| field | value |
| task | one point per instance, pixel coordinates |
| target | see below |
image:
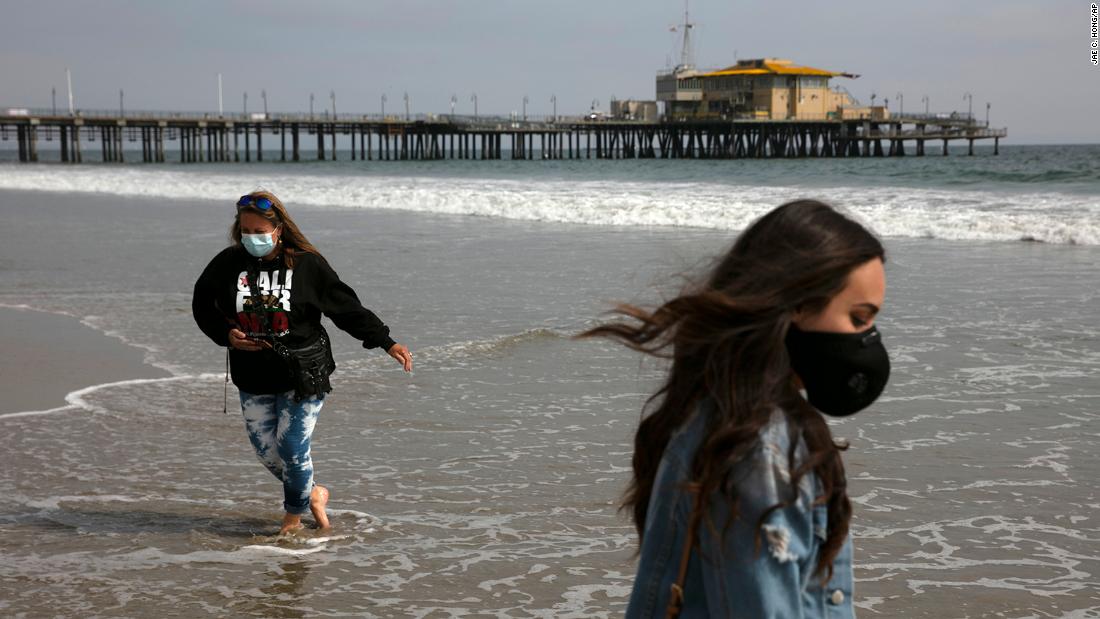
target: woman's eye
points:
(858, 321)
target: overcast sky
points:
(1029, 59)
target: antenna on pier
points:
(687, 54)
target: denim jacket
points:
(733, 578)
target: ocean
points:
(487, 482)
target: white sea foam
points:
(54, 502)
(76, 400)
(1051, 217)
(262, 549)
(493, 346)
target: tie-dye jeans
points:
(280, 429)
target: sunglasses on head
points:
(259, 202)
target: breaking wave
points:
(953, 214)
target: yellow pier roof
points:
(773, 66)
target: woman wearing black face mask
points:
(738, 492)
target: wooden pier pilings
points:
(207, 139)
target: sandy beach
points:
(486, 483)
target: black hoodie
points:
(294, 299)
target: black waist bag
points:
(310, 366)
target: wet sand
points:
(486, 484)
(51, 355)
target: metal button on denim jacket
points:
(728, 576)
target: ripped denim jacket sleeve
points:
(761, 563)
(753, 565)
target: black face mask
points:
(843, 373)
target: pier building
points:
(761, 88)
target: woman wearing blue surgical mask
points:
(739, 494)
(263, 298)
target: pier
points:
(198, 137)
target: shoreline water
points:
(52, 356)
(486, 483)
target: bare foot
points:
(317, 501)
(291, 523)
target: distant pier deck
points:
(188, 138)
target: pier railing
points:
(941, 117)
(290, 117)
(939, 133)
(486, 121)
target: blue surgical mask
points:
(259, 245)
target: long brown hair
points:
(725, 339)
(291, 241)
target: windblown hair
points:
(292, 242)
(725, 338)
